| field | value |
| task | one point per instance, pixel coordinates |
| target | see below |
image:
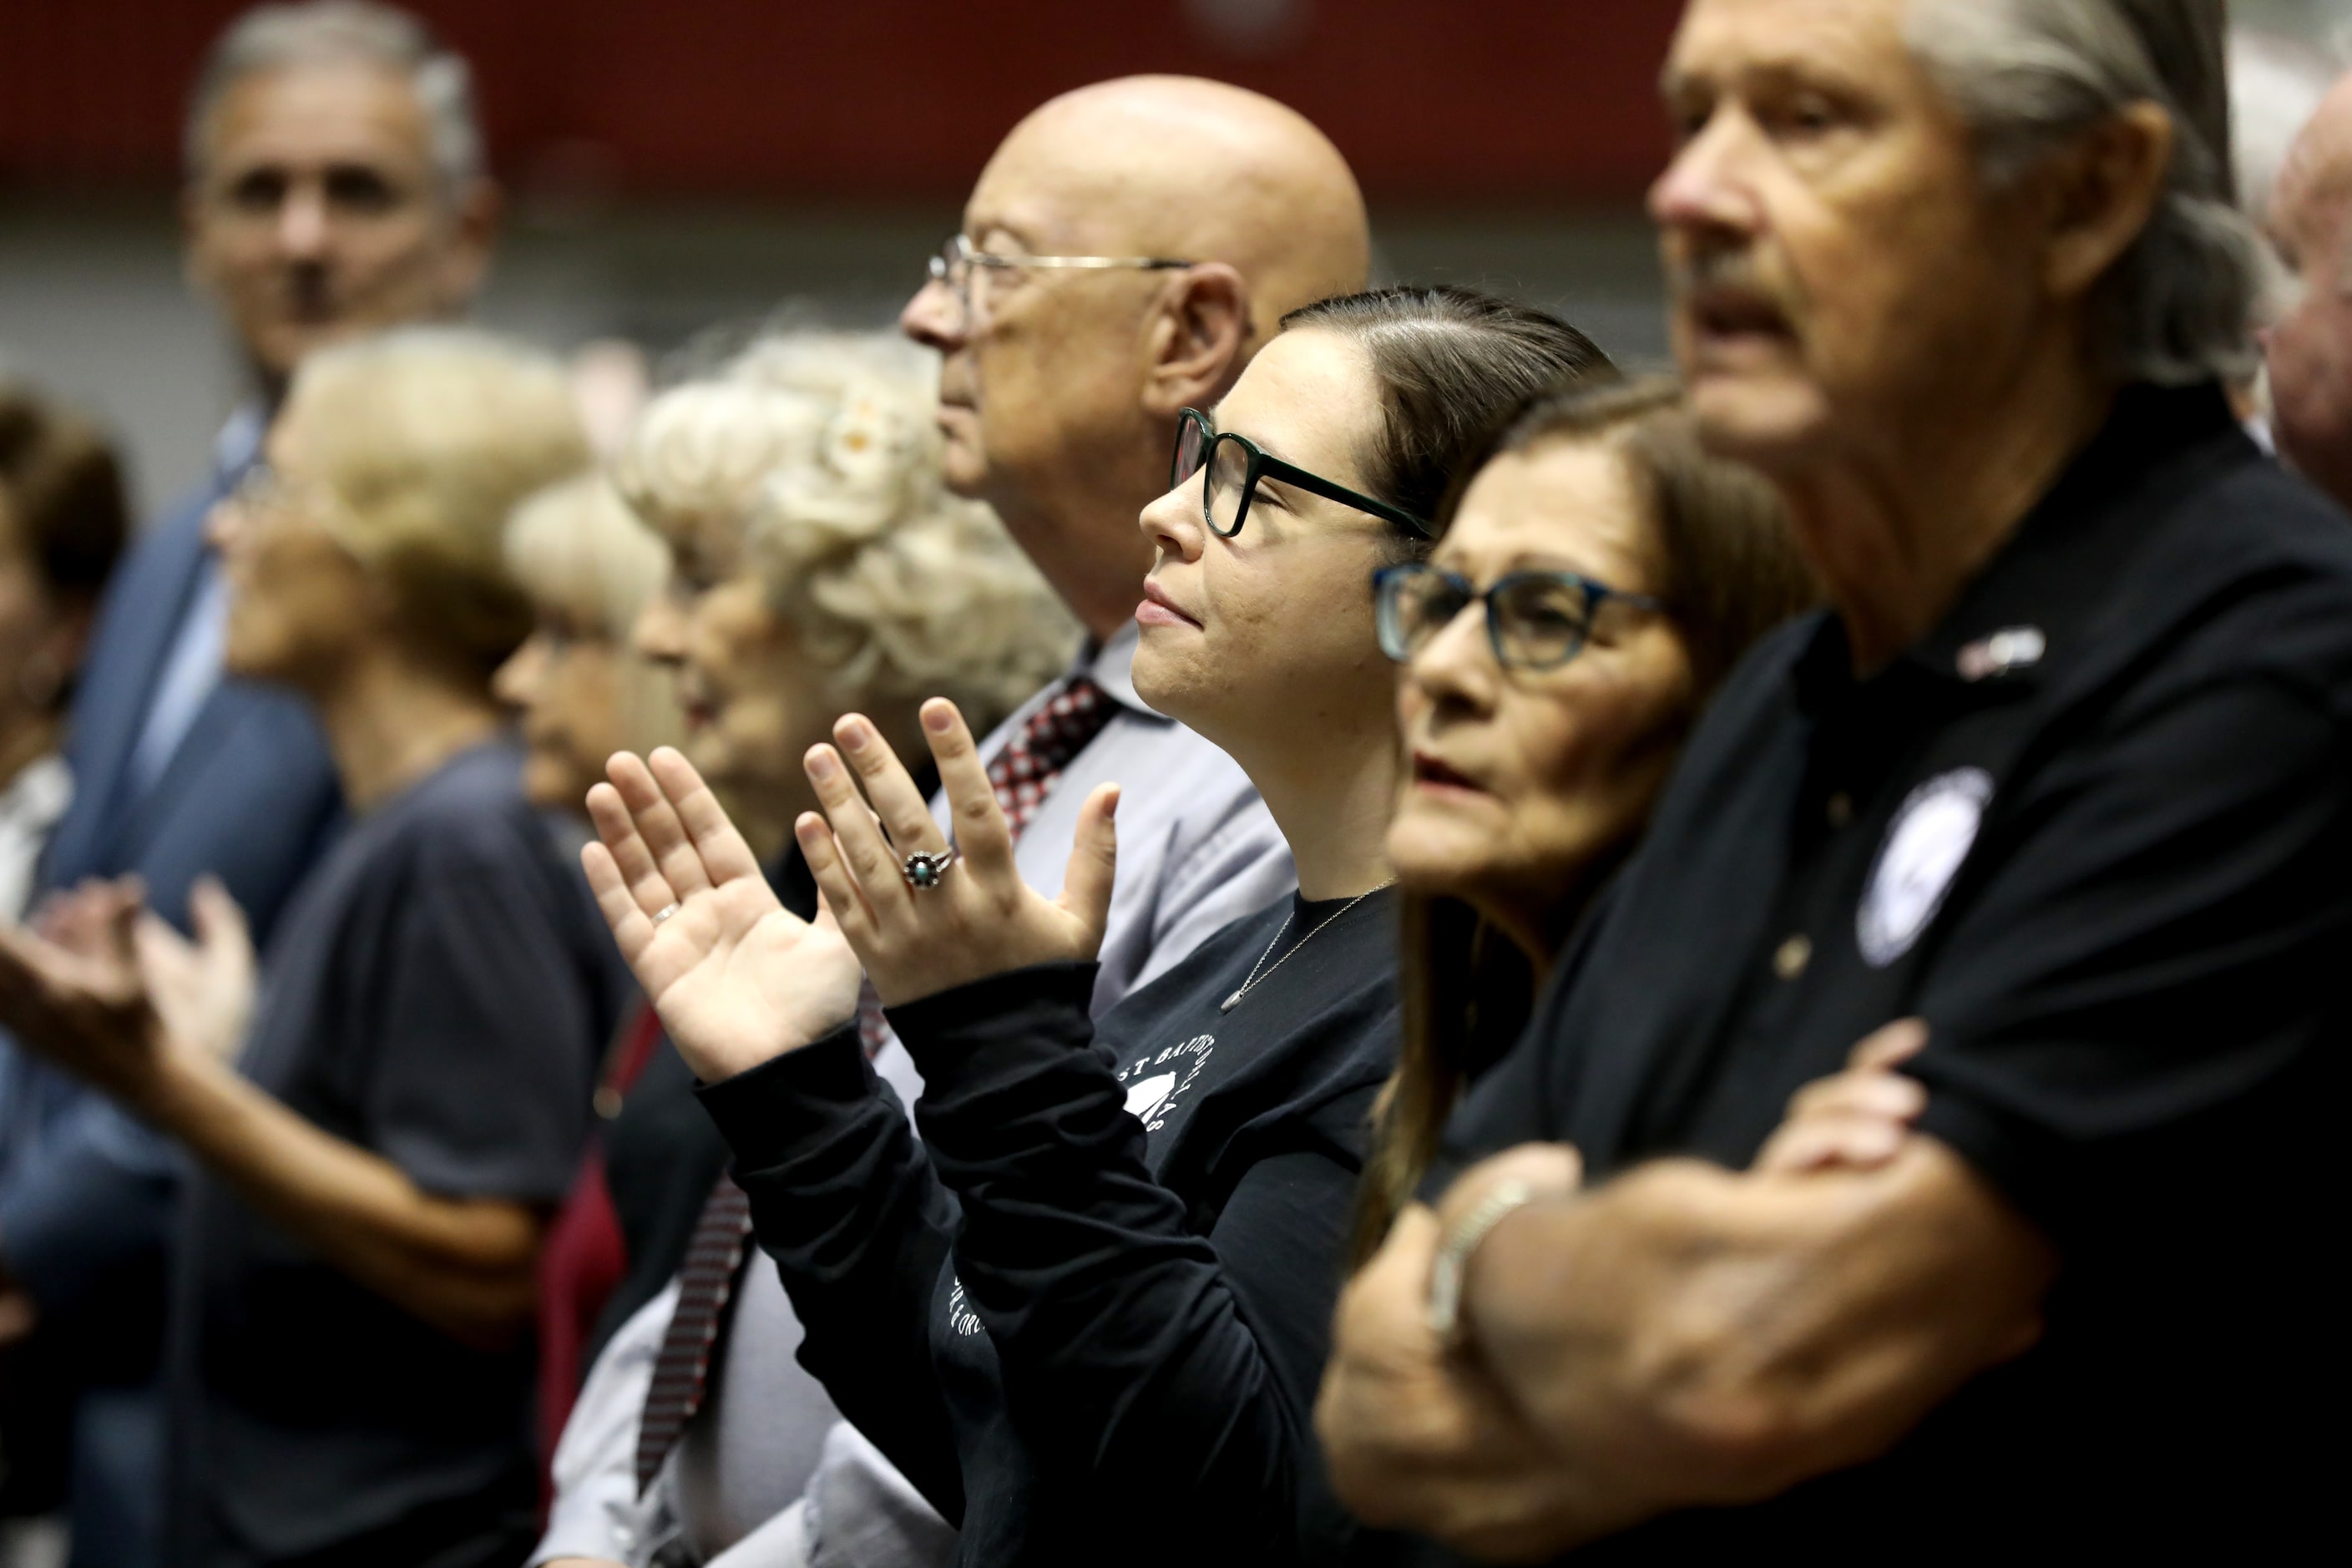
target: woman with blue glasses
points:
(1597, 576)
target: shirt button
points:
(1841, 809)
(607, 1101)
(1789, 959)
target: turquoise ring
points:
(924, 872)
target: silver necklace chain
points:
(1234, 1001)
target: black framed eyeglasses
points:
(1535, 620)
(1235, 464)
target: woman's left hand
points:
(73, 992)
(980, 918)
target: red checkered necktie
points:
(704, 1285)
(1032, 762)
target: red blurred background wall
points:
(893, 99)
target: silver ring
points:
(664, 912)
(924, 872)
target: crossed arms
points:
(1681, 1336)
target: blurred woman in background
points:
(816, 564)
(351, 1372)
(1598, 577)
(581, 691)
(63, 522)
(579, 688)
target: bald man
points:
(2309, 351)
(1126, 251)
(1061, 384)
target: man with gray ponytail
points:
(1925, 1147)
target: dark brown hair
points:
(61, 494)
(1450, 361)
(1728, 571)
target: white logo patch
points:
(1147, 1095)
(1929, 839)
(1150, 1098)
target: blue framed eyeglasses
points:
(1535, 620)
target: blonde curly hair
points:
(577, 547)
(819, 452)
(428, 436)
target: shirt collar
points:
(2032, 603)
(37, 796)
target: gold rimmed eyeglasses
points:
(958, 258)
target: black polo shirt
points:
(2096, 829)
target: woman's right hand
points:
(737, 978)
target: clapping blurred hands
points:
(71, 990)
(203, 989)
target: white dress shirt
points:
(30, 807)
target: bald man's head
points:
(2309, 351)
(1178, 166)
(1061, 385)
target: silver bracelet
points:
(1453, 1249)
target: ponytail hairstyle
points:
(1450, 363)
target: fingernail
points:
(854, 734)
(939, 718)
(819, 763)
(808, 826)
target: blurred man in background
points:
(335, 187)
(2309, 348)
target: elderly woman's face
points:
(1263, 642)
(1524, 782)
(299, 604)
(565, 682)
(751, 702)
(1838, 269)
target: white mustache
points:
(1717, 269)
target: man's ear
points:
(474, 237)
(1197, 340)
(194, 259)
(2100, 194)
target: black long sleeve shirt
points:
(1086, 1314)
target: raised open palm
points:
(976, 918)
(737, 978)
